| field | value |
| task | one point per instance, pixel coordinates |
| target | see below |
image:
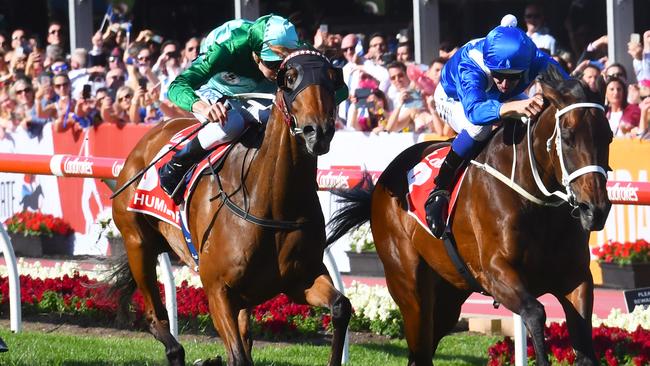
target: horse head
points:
(579, 147)
(307, 83)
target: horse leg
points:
(244, 331)
(578, 305)
(322, 293)
(447, 310)
(509, 290)
(225, 318)
(142, 261)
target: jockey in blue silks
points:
(484, 81)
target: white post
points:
(521, 353)
(15, 314)
(170, 293)
(333, 269)
(247, 9)
(426, 30)
(620, 23)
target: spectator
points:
(54, 34)
(62, 109)
(18, 42)
(5, 73)
(53, 53)
(590, 76)
(622, 117)
(167, 66)
(369, 113)
(408, 111)
(126, 107)
(434, 70)
(376, 48)
(114, 80)
(97, 55)
(447, 49)
(7, 106)
(403, 53)
(644, 107)
(4, 43)
(29, 116)
(615, 70)
(190, 52)
(641, 57)
(115, 59)
(535, 29)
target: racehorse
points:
(271, 173)
(516, 244)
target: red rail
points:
(109, 168)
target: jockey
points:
(483, 82)
(235, 58)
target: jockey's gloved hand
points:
(530, 107)
(216, 112)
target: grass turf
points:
(35, 348)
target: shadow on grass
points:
(402, 352)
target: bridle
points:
(310, 73)
(567, 195)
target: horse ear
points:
(551, 94)
(281, 51)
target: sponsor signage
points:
(638, 296)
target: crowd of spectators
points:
(122, 80)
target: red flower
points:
(36, 223)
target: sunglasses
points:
(347, 49)
(113, 59)
(15, 38)
(397, 76)
(144, 58)
(124, 98)
(503, 76)
(61, 85)
(615, 75)
(532, 16)
(21, 91)
(115, 77)
(60, 68)
(55, 31)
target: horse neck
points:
(288, 167)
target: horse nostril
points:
(308, 130)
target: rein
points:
(568, 196)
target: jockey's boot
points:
(438, 202)
(171, 174)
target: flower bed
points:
(623, 253)
(613, 346)
(29, 223)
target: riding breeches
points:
(452, 112)
(239, 115)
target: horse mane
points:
(571, 87)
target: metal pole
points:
(426, 30)
(333, 269)
(15, 314)
(521, 354)
(170, 292)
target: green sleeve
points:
(181, 90)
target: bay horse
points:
(514, 248)
(271, 173)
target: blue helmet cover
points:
(508, 49)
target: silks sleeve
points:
(181, 90)
(479, 109)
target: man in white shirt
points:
(535, 29)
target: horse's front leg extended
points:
(508, 289)
(322, 293)
(578, 307)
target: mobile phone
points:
(323, 28)
(635, 38)
(85, 92)
(143, 83)
(362, 93)
(156, 38)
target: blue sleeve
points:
(479, 109)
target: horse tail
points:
(355, 211)
(121, 282)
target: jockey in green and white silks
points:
(235, 58)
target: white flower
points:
(639, 317)
(361, 239)
(105, 221)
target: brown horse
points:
(515, 249)
(271, 173)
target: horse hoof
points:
(209, 362)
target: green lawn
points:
(35, 348)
